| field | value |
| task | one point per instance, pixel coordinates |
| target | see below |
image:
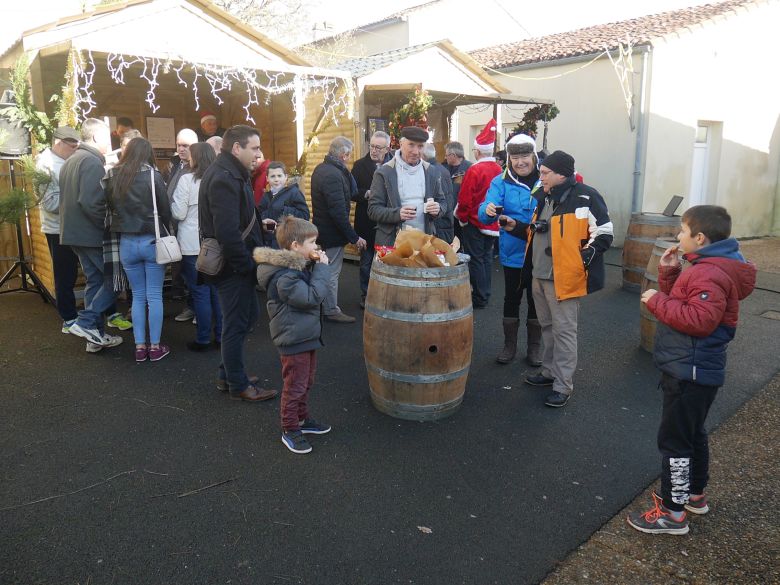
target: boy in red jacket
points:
(697, 311)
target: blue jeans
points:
(480, 247)
(136, 252)
(240, 309)
(204, 302)
(99, 295)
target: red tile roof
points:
(594, 39)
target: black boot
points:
(510, 341)
(533, 356)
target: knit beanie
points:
(559, 162)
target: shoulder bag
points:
(210, 259)
(166, 248)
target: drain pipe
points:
(639, 152)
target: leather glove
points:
(587, 255)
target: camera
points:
(540, 226)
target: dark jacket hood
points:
(271, 261)
(725, 255)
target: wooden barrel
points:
(417, 337)
(647, 322)
(643, 230)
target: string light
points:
(83, 86)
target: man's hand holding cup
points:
(408, 212)
(431, 207)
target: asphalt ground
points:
(113, 472)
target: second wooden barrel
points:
(643, 230)
(418, 333)
(647, 322)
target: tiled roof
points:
(365, 65)
(594, 39)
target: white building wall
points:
(720, 74)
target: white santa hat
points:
(486, 140)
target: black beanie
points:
(559, 162)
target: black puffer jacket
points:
(331, 193)
(295, 293)
(133, 213)
(288, 201)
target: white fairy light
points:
(83, 91)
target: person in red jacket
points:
(479, 238)
(260, 178)
(697, 311)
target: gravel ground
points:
(763, 252)
(738, 542)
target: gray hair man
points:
(363, 171)
(444, 223)
(406, 191)
(215, 142)
(332, 189)
(82, 219)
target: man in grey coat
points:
(406, 190)
(82, 223)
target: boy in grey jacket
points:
(295, 279)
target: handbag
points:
(166, 249)
(210, 259)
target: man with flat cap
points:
(567, 237)
(406, 190)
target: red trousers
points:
(298, 375)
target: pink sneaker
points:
(141, 353)
(158, 353)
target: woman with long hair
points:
(129, 195)
(511, 199)
(184, 207)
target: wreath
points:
(413, 113)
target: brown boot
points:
(534, 355)
(510, 341)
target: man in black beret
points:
(567, 238)
(406, 190)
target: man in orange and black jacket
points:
(567, 238)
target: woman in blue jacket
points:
(511, 194)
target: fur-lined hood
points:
(270, 261)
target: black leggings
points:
(515, 282)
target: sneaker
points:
(312, 427)
(118, 321)
(658, 520)
(92, 335)
(696, 504)
(296, 442)
(159, 352)
(340, 318)
(186, 315)
(66, 325)
(557, 399)
(93, 347)
(539, 380)
(141, 354)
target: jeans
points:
(99, 296)
(137, 254)
(65, 265)
(204, 302)
(517, 281)
(240, 309)
(298, 374)
(480, 247)
(366, 260)
(682, 440)
(335, 261)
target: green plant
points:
(36, 177)
(14, 204)
(532, 117)
(23, 112)
(413, 113)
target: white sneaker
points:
(93, 347)
(111, 340)
(92, 335)
(185, 315)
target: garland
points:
(531, 119)
(413, 113)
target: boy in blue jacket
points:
(295, 278)
(697, 311)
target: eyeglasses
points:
(375, 147)
(545, 173)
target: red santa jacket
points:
(472, 193)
